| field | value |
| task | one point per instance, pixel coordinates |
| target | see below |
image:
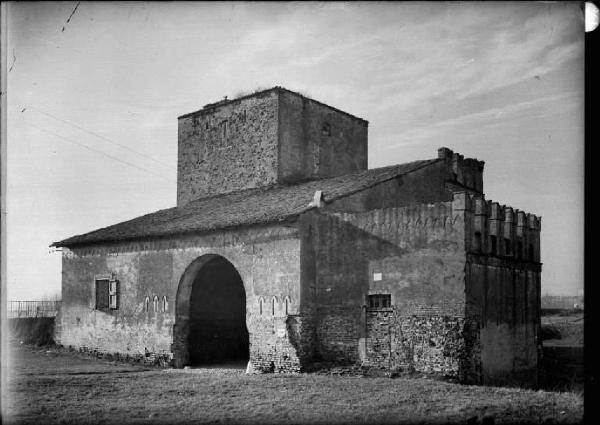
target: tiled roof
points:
(245, 207)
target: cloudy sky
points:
(93, 100)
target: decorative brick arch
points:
(181, 330)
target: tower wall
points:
(227, 147)
(271, 137)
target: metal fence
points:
(33, 309)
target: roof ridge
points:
(243, 207)
(426, 162)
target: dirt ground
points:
(52, 386)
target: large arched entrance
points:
(211, 314)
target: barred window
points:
(380, 301)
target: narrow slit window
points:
(287, 303)
(224, 129)
(273, 307)
(531, 252)
(507, 250)
(147, 304)
(493, 245)
(477, 242)
(260, 306)
(155, 303)
(165, 304)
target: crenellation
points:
(499, 230)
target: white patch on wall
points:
(280, 333)
(377, 277)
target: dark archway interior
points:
(218, 330)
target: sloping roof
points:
(250, 206)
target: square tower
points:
(275, 136)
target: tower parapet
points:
(466, 173)
(498, 230)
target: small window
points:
(155, 303)
(102, 300)
(493, 245)
(287, 305)
(107, 293)
(380, 301)
(165, 303)
(507, 246)
(477, 242)
(273, 306)
(147, 304)
(326, 129)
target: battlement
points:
(466, 173)
(498, 230)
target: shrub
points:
(550, 332)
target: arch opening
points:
(211, 314)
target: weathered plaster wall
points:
(422, 186)
(419, 252)
(228, 147)
(318, 141)
(266, 258)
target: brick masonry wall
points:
(418, 251)
(228, 147)
(266, 258)
(275, 136)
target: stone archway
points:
(210, 314)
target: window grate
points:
(380, 301)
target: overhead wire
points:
(94, 134)
(101, 152)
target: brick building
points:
(285, 250)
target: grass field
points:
(52, 386)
